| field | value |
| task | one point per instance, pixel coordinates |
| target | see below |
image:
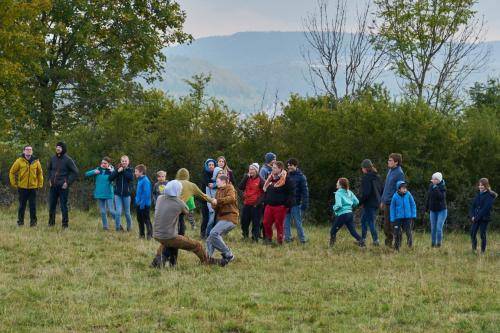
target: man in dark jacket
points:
(301, 201)
(123, 176)
(279, 198)
(371, 192)
(62, 173)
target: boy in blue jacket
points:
(143, 201)
(403, 210)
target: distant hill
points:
(249, 66)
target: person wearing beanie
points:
(62, 172)
(371, 191)
(394, 175)
(266, 169)
(301, 202)
(26, 176)
(436, 206)
(251, 185)
(169, 207)
(403, 212)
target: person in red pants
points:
(278, 198)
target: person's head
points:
(484, 185)
(105, 162)
(28, 151)
(367, 166)
(222, 181)
(161, 176)
(292, 164)
(124, 161)
(394, 160)
(60, 148)
(402, 187)
(211, 165)
(277, 168)
(173, 188)
(221, 162)
(140, 170)
(343, 183)
(437, 178)
(253, 170)
(270, 158)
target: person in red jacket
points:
(251, 185)
(279, 197)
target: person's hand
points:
(214, 202)
(381, 206)
(97, 171)
(120, 169)
(473, 220)
(50, 183)
(64, 186)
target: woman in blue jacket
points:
(480, 213)
(103, 191)
(403, 210)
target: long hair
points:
(486, 183)
(344, 183)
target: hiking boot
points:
(227, 259)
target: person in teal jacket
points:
(103, 191)
(403, 211)
(345, 202)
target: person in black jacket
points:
(371, 191)
(278, 198)
(480, 212)
(62, 173)
(301, 201)
(123, 176)
(206, 181)
(436, 205)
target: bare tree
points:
(339, 62)
(433, 45)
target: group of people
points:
(273, 196)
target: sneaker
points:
(227, 259)
(361, 243)
(156, 263)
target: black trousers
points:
(251, 215)
(171, 253)
(204, 221)
(57, 193)
(144, 221)
(400, 226)
(25, 196)
(482, 227)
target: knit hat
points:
(438, 176)
(173, 188)
(366, 164)
(255, 166)
(269, 157)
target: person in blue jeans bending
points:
(480, 213)
(103, 191)
(345, 202)
(436, 205)
(301, 202)
(371, 192)
(123, 176)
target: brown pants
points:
(389, 234)
(183, 243)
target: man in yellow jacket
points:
(27, 176)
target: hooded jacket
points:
(62, 168)
(371, 190)
(227, 204)
(345, 202)
(189, 189)
(26, 174)
(211, 191)
(402, 205)
(301, 188)
(436, 197)
(394, 175)
(207, 174)
(252, 190)
(103, 188)
(123, 181)
(482, 205)
(143, 193)
(168, 208)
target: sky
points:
(226, 17)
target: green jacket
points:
(345, 202)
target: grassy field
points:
(86, 280)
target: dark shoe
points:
(20, 224)
(51, 225)
(156, 263)
(228, 259)
(361, 243)
(149, 237)
(120, 229)
(65, 226)
(267, 241)
(215, 261)
(142, 236)
(388, 243)
(332, 241)
(438, 245)
(33, 224)
(376, 243)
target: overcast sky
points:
(225, 17)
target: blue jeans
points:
(368, 221)
(122, 204)
(437, 222)
(104, 206)
(296, 214)
(215, 241)
(347, 220)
